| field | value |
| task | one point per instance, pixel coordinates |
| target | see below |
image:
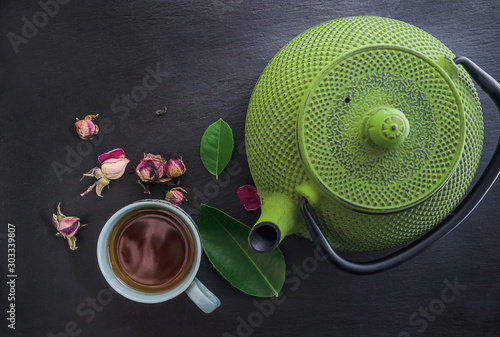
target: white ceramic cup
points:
(198, 293)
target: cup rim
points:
(119, 286)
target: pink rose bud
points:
(67, 226)
(176, 195)
(175, 167)
(85, 128)
(151, 169)
(113, 165)
(114, 168)
(249, 197)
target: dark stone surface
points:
(91, 53)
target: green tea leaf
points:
(216, 147)
(225, 241)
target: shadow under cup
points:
(150, 251)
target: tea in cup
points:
(150, 251)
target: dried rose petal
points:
(249, 197)
(116, 153)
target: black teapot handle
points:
(468, 204)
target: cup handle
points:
(202, 297)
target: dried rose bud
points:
(175, 167)
(114, 168)
(151, 169)
(176, 195)
(113, 164)
(67, 226)
(85, 128)
(249, 197)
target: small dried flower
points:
(113, 164)
(67, 226)
(85, 128)
(249, 197)
(175, 167)
(114, 168)
(176, 195)
(151, 169)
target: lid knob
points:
(388, 127)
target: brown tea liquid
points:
(151, 250)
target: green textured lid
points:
(382, 128)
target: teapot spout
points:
(264, 236)
(280, 217)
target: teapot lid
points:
(382, 129)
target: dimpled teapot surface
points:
(372, 121)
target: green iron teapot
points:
(374, 127)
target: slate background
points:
(90, 53)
